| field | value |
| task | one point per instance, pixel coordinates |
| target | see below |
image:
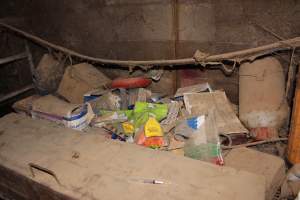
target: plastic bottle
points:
(204, 143)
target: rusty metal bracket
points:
(33, 166)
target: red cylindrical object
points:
(127, 83)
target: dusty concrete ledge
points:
(106, 169)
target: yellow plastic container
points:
(294, 138)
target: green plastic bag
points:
(143, 110)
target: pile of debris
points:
(198, 121)
(189, 121)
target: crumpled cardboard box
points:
(80, 79)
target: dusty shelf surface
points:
(90, 166)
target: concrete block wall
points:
(158, 29)
(145, 29)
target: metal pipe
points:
(16, 93)
(13, 58)
(280, 45)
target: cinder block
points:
(271, 167)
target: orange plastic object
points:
(294, 138)
(264, 133)
(152, 142)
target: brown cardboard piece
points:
(53, 105)
(193, 89)
(25, 105)
(80, 79)
(227, 121)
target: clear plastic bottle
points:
(204, 143)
